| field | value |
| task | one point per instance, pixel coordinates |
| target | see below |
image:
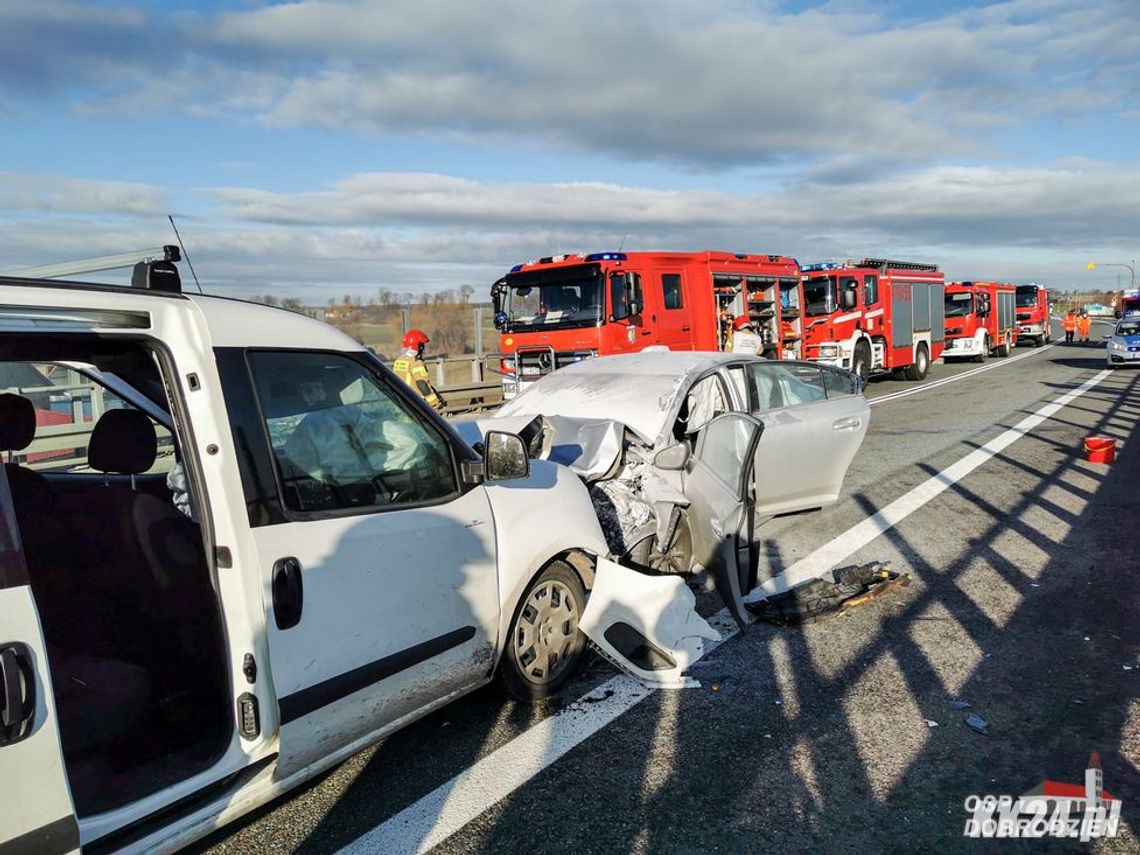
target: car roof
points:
(230, 322)
(640, 390)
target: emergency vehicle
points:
(1129, 303)
(566, 308)
(874, 315)
(1033, 314)
(979, 320)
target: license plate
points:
(531, 370)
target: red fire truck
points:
(566, 308)
(1032, 314)
(874, 315)
(1129, 302)
(979, 320)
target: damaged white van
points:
(234, 549)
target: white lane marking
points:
(855, 538)
(894, 396)
(448, 808)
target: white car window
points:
(342, 439)
(780, 384)
(705, 401)
(722, 447)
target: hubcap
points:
(546, 631)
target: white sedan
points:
(686, 453)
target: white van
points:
(234, 550)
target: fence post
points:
(439, 372)
(477, 362)
(405, 319)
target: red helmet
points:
(414, 339)
(741, 321)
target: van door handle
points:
(847, 424)
(17, 693)
(288, 592)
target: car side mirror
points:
(672, 458)
(848, 299)
(504, 456)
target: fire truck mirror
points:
(848, 298)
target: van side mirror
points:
(672, 458)
(504, 456)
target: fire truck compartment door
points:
(717, 483)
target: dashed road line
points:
(448, 808)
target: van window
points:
(67, 405)
(671, 285)
(343, 439)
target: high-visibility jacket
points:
(412, 371)
(1085, 323)
(1069, 323)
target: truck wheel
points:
(921, 365)
(544, 644)
(861, 361)
(1039, 341)
(1004, 350)
(985, 352)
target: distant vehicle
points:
(1129, 302)
(565, 308)
(874, 315)
(979, 320)
(1033, 314)
(686, 453)
(1123, 346)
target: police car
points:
(1123, 346)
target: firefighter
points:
(1069, 325)
(411, 369)
(745, 339)
(1083, 326)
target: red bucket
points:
(1100, 449)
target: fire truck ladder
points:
(884, 263)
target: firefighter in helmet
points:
(411, 369)
(745, 339)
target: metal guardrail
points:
(482, 392)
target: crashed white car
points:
(687, 453)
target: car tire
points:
(861, 361)
(677, 560)
(921, 365)
(544, 645)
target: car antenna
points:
(623, 237)
(185, 254)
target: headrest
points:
(123, 443)
(17, 422)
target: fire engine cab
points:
(566, 308)
(874, 315)
(1032, 314)
(979, 320)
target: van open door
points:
(36, 812)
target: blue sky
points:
(313, 149)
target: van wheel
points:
(544, 645)
(921, 365)
(861, 361)
(981, 357)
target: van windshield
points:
(819, 296)
(572, 297)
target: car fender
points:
(539, 518)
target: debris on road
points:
(591, 699)
(977, 723)
(931, 723)
(852, 586)
(958, 705)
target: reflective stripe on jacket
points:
(415, 374)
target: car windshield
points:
(573, 301)
(1026, 297)
(819, 296)
(958, 304)
(1128, 328)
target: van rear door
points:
(36, 813)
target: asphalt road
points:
(838, 733)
